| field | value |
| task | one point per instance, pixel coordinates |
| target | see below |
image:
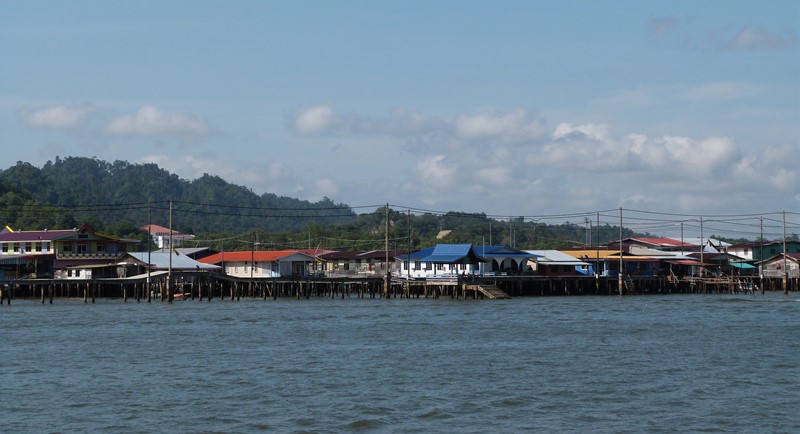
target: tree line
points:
(119, 198)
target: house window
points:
(67, 248)
(5, 248)
(439, 267)
(38, 247)
(16, 247)
(82, 248)
(69, 273)
(102, 248)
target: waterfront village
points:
(82, 262)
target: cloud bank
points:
(57, 116)
(511, 157)
(150, 120)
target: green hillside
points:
(118, 198)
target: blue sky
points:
(511, 108)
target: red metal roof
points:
(662, 242)
(248, 255)
(156, 229)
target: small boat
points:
(182, 296)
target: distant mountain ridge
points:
(74, 190)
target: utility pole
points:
(408, 254)
(761, 255)
(785, 270)
(702, 250)
(387, 278)
(169, 273)
(149, 252)
(597, 258)
(588, 232)
(619, 282)
(510, 232)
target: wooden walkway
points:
(492, 292)
(210, 286)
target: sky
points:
(518, 108)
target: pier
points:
(211, 286)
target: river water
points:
(699, 363)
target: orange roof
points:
(249, 255)
(604, 254)
(156, 229)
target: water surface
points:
(713, 363)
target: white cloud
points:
(773, 167)
(435, 172)
(513, 127)
(573, 165)
(591, 131)
(324, 187)
(150, 120)
(510, 127)
(314, 120)
(689, 32)
(676, 155)
(57, 116)
(748, 38)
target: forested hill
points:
(75, 190)
(119, 198)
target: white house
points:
(262, 263)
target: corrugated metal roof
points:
(253, 255)
(34, 236)
(605, 254)
(555, 257)
(161, 260)
(505, 251)
(661, 241)
(417, 255)
(453, 253)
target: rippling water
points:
(719, 363)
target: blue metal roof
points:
(453, 253)
(418, 255)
